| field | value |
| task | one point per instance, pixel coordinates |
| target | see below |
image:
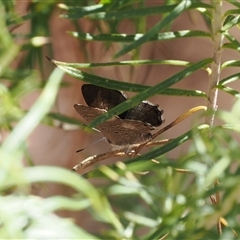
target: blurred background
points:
(41, 31)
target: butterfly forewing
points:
(103, 98)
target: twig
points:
(214, 80)
(216, 64)
(97, 158)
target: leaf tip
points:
(50, 60)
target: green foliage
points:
(142, 199)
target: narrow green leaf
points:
(141, 220)
(231, 63)
(124, 86)
(231, 46)
(104, 14)
(234, 43)
(229, 90)
(130, 38)
(57, 203)
(234, 3)
(230, 12)
(133, 13)
(95, 10)
(228, 19)
(167, 147)
(229, 79)
(157, 28)
(216, 171)
(80, 12)
(234, 21)
(183, 92)
(123, 63)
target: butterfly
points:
(130, 128)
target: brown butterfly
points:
(128, 129)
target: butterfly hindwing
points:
(117, 131)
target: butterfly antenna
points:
(90, 145)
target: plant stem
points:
(214, 77)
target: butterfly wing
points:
(103, 98)
(147, 113)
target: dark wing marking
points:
(147, 113)
(103, 98)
